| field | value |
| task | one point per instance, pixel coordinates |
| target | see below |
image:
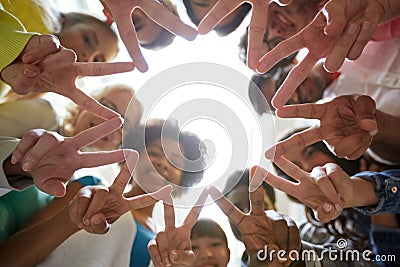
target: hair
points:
(243, 44)
(166, 37)
(220, 30)
(205, 227)
(194, 149)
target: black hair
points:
(166, 37)
(194, 149)
(220, 30)
(206, 227)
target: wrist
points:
(368, 196)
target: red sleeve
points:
(388, 30)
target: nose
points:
(206, 253)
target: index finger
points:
(296, 141)
(293, 80)
(258, 24)
(128, 35)
(120, 182)
(101, 68)
(91, 105)
(230, 210)
(169, 214)
(95, 133)
(256, 194)
(281, 51)
(167, 19)
(220, 10)
(193, 215)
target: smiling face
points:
(160, 164)
(286, 21)
(90, 41)
(210, 252)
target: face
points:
(210, 251)
(146, 29)
(160, 164)
(118, 101)
(286, 21)
(202, 7)
(308, 158)
(91, 42)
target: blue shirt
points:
(140, 256)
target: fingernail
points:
(327, 208)
(27, 166)
(27, 58)
(29, 73)
(86, 222)
(365, 25)
(174, 256)
(338, 207)
(352, 29)
(374, 132)
(14, 157)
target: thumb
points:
(54, 187)
(365, 109)
(182, 257)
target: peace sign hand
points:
(95, 208)
(121, 12)
(44, 77)
(257, 26)
(52, 159)
(261, 228)
(347, 125)
(173, 245)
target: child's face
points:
(91, 42)
(210, 251)
(162, 164)
(146, 29)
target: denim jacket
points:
(387, 190)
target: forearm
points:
(386, 143)
(32, 245)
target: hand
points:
(257, 26)
(347, 125)
(61, 80)
(94, 208)
(325, 189)
(341, 29)
(46, 50)
(258, 228)
(52, 159)
(173, 245)
(121, 12)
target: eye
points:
(86, 39)
(309, 151)
(216, 244)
